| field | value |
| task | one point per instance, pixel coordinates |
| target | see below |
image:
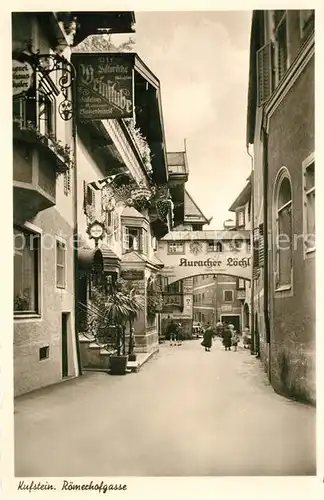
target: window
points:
(67, 182)
(175, 247)
(228, 295)
(240, 218)
(135, 238)
(281, 48)
(60, 264)
(215, 247)
(309, 203)
(26, 271)
(240, 284)
(283, 227)
(46, 115)
(44, 352)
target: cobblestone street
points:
(186, 413)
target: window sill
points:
(283, 288)
(24, 317)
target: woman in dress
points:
(208, 337)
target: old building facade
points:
(90, 197)
(281, 129)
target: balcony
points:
(172, 301)
(34, 183)
(241, 294)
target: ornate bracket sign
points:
(104, 85)
(22, 77)
(44, 65)
(96, 231)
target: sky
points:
(202, 62)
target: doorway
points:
(65, 359)
(231, 318)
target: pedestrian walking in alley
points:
(219, 329)
(172, 331)
(235, 339)
(180, 333)
(208, 336)
(227, 337)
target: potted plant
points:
(109, 316)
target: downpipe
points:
(252, 232)
(266, 281)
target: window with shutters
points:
(240, 218)
(228, 295)
(264, 73)
(135, 238)
(256, 245)
(67, 182)
(240, 284)
(309, 204)
(281, 46)
(261, 245)
(283, 231)
(60, 264)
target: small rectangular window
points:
(60, 264)
(241, 284)
(175, 247)
(44, 352)
(228, 295)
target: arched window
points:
(283, 231)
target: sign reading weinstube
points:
(22, 74)
(104, 85)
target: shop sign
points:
(132, 274)
(22, 77)
(226, 308)
(104, 85)
(95, 230)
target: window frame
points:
(177, 252)
(224, 295)
(214, 247)
(281, 176)
(238, 214)
(310, 160)
(60, 241)
(30, 229)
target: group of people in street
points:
(226, 331)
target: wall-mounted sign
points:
(104, 85)
(95, 230)
(178, 267)
(132, 274)
(22, 77)
(226, 308)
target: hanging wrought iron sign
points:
(46, 68)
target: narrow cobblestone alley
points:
(186, 413)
